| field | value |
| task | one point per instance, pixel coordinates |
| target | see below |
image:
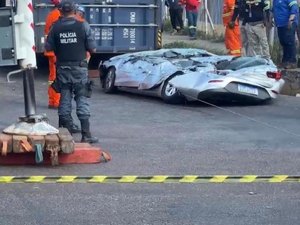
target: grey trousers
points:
(257, 40)
(245, 43)
(72, 83)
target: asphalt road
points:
(147, 137)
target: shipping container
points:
(119, 26)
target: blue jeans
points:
(287, 40)
(192, 17)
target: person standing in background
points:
(192, 10)
(232, 30)
(176, 11)
(239, 13)
(256, 13)
(286, 20)
(53, 16)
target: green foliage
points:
(276, 52)
(213, 37)
(183, 44)
(167, 27)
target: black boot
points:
(69, 124)
(65, 122)
(75, 128)
(86, 134)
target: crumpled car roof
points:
(147, 69)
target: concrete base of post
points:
(31, 125)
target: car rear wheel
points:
(170, 94)
(109, 81)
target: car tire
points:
(109, 81)
(170, 94)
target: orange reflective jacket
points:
(52, 17)
(228, 9)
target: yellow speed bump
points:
(134, 179)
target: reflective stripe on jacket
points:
(282, 9)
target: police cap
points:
(67, 6)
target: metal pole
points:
(206, 17)
(29, 93)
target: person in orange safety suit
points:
(53, 16)
(232, 33)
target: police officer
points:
(70, 39)
(255, 13)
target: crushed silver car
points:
(177, 75)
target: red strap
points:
(26, 146)
(105, 156)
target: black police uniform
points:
(70, 39)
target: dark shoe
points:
(290, 66)
(67, 122)
(52, 107)
(85, 131)
(75, 129)
(90, 139)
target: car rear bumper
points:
(232, 92)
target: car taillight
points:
(274, 75)
(215, 81)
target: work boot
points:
(289, 66)
(69, 124)
(75, 128)
(66, 123)
(86, 134)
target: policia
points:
(70, 39)
(255, 14)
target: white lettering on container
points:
(126, 33)
(132, 35)
(132, 17)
